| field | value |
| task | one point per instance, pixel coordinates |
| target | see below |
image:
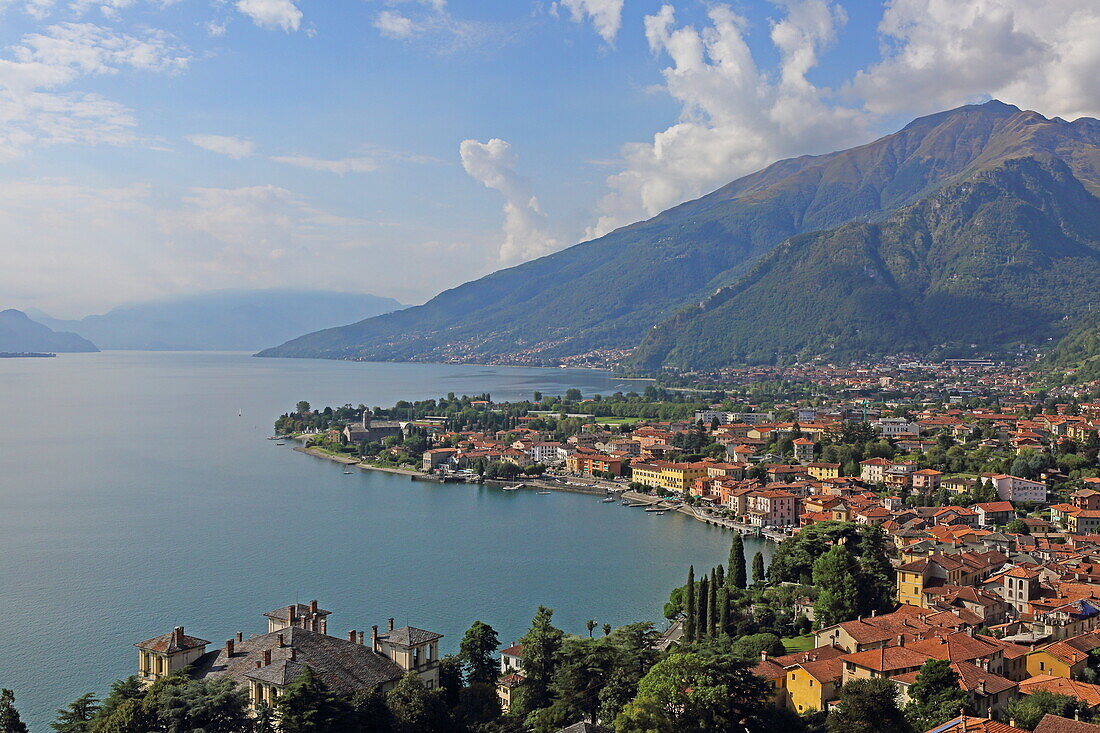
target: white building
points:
(891, 427)
(1014, 488)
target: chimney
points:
(374, 638)
(229, 648)
(177, 636)
(763, 655)
(391, 624)
(359, 638)
(293, 654)
(981, 687)
(240, 637)
(313, 606)
(267, 657)
(351, 636)
(259, 664)
(281, 641)
(324, 626)
(292, 614)
(901, 639)
(874, 612)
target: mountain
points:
(228, 320)
(649, 282)
(1076, 358)
(19, 334)
(1000, 258)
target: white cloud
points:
(734, 118)
(394, 25)
(91, 49)
(232, 147)
(339, 166)
(606, 15)
(34, 110)
(431, 19)
(940, 53)
(494, 164)
(272, 13)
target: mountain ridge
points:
(20, 334)
(222, 320)
(610, 293)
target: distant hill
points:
(1076, 358)
(885, 247)
(226, 320)
(19, 334)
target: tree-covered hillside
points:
(608, 293)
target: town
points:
(937, 567)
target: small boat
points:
(280, 443)
(661, 513)
(655, 509)
(511, 488)
(608, 500)
(544, 493)
(347, 472)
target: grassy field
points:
(617, 420)
(799, 643)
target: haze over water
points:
(133, 499)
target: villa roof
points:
(345, 666)
(173, 641)
(409, 636)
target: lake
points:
(133, 498)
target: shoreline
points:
(538, 484)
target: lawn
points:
(617, 420)
(799, 643)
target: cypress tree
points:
(720, 573)
(723, 610)
(712, 621)
(737, 577)
(704, 609)
(758, 567)
(689, 607)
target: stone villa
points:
(297, 637)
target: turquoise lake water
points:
(134, 499)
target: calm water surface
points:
(133, 499)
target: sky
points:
(153, 148)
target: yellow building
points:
(667, 475)
(1067, 658)
(167, 654)
(822, 471)
(812, 685)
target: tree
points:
(308, 706)
(836, 575)
(758, 576)
(689, 691)
(1030, 709)
(689, 607)
(712, 606)
(723, 610)
(736, 575)
(868, 706)
(302, 407)
(606, 629)
(935, 697)
(591, 626)
(1017, 526)
(10, 722)
(572, 395)
(212, 706)
(749, 647)
(416, 709)
(702, 628)
(477, 650)
(878, 592)
(450, 679)
(77, 718)
(541, 646)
